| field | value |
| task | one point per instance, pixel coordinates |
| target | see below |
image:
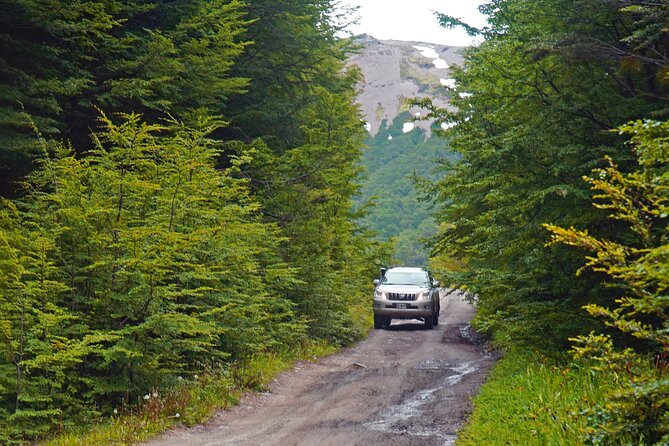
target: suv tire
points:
(429, 322)
(379, 322)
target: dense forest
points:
(555, 217)
(176, 181)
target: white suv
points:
(406, 293)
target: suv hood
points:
(402, 288)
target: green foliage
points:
(639, 407)
(545, 89)
(307, 191)
(295, 53)
(60, 58)
(394, 167)
(542, 93)
(140, 259)
(450, 22)
(532, 400)
(156, 250)
(299, 123)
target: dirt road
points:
(402, 386)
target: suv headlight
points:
(379, 294)
(423, 295)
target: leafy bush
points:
(638, 265)
(128, 267)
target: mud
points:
(405, 385)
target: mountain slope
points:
(395, 71)
(399, 148)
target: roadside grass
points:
(191, 401)
(531, 400)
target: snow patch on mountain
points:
(430, 53)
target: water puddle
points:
(466, 334)
(449, 440)
(461, 370)
(434, 364)
(396, 419)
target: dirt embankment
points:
(402, 386)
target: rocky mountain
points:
(400, 149)
(396, 70)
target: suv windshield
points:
(406, 278)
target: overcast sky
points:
(414, 19)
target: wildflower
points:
(180, 378)
(194, 376)
(155, 394)
(115, 411)
(177, 415)
(146, 397)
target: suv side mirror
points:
(376, 282)
(435, 283)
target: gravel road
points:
(405, 385)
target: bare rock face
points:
(395, 71)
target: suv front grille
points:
(401, 296)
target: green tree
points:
(295, 51)
(307, 191)
(150, 263)
(60, 59)
(34, 380)
(536, 101)
(299, 123)
(639, 408)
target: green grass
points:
(530, 400)
(191, 401)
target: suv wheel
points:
(436, 317)
(429, 322)
(379, 321)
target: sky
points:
(414, 20)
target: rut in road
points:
(405, 385)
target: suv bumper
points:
(412, 310)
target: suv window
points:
(406, 278)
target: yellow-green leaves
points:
(640, 268)
(143, 263)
